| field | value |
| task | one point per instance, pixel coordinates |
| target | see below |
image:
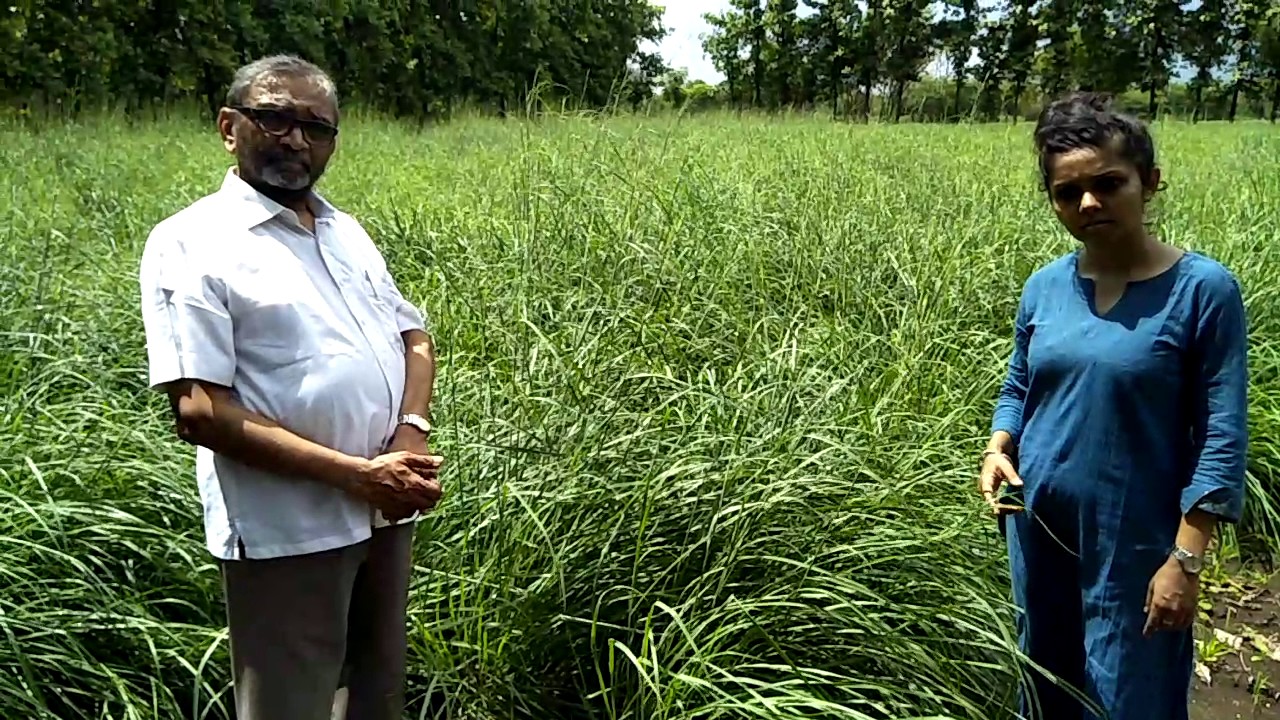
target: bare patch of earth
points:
(1238, 643)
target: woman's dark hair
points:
(1085, 119)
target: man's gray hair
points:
(278, 66)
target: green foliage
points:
(1269, 55)
(430, 58)
(712, 392)
(1006, 48)
(410, 57)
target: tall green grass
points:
(711, 393)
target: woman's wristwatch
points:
(1191, 563)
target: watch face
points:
(1189, 562)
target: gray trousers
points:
(301, 625)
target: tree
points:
(1023, 35)
(868, 50)
(411, 57)
(1052, 64)
(751, 25)
(833, 28)
(673, 83)
(1268, 58)
(1157, 25)
(956, 34)
(781, 55)
(1204, 43)
(1103, 48)
(911, 44)
(993, 64)
(724, 44)
(1244, 19)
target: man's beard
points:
(281, 181)
(291, 178)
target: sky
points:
(682, 48)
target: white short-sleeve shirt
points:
(304, 328)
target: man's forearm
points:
(212, 418)
(420, 373)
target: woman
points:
(1123, 413)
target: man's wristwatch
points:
(1191, 563)
(417, 422)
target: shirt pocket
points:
(274, 335)
(283, 320)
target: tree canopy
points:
(925, 59)
(847, 53)
(410, 57)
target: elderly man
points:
(304, 379)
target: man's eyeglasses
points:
(280, 123)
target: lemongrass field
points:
(711, 392)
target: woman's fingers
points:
(996, 471)
(988, 484)
(1006, 469)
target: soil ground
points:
(1238, 638)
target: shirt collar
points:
(253, 208)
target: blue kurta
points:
(1124, 421)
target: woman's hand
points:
(1172, 596)
(997, 469)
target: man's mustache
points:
(281, 158)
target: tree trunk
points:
(757, 54)
(835, 88)
(1156, 47)
(1199, 106)
(209, 90)
(867, 81)
(1015, 113)
(959, 88)
(1275, 98)
(1235, 102)
(900, 86)
(756, 80)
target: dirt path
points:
(1238, 677)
